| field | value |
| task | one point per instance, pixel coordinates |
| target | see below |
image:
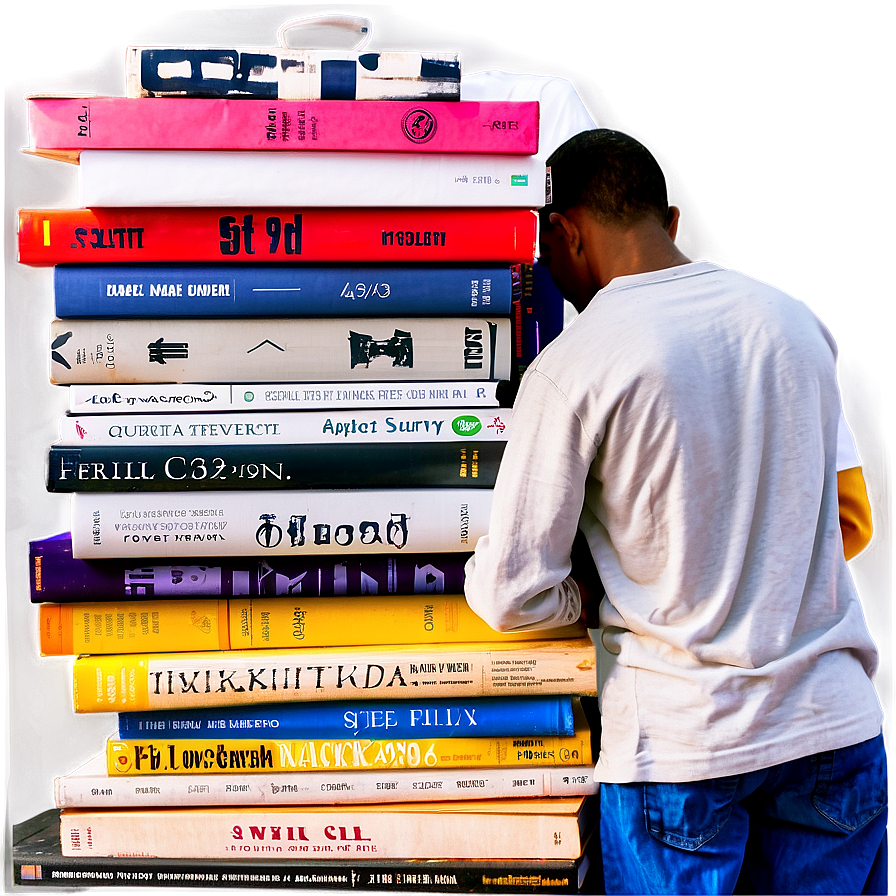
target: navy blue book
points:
(370, 720)
(284, 290)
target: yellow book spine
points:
(133, 627)
(243, 756)
(365, 621)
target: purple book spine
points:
(57, 577)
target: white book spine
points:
(143, 178)
(142, 398)
(257, 523)
(189, 350)
(90, 787)
(287, 427)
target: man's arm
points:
(519, 577)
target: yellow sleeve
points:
(855, 511)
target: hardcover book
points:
(126, 682)
(141, 398)
(62, 126)
(165, 626)
(255, 428)
(37, 861)
(157, 468)
(291, 74)
(90, 786)
(278, 349)
(157, 756)
(146, 178)
(479, 829)
(56, 576)
(284, 290)
(277, 522)
(482, 717)
(256, 234)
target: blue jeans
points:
(813, 825)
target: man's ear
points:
(566, 230)
(672, 221)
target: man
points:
(687, 424)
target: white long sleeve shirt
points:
(687, 423)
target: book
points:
(476, 829)
(278, 349)
(61, 127)
(277, 522)
(159, 468)
(57, 577)
(148, 758)
(284, 290)
(481, 716)
(37, 861)
(127, 682)
(166, 626)
(139, 398)
(135, 178)
(331, 428)
(291, 74)
(256, 234)
(90, 786)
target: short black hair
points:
(611, 174)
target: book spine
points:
(264, 290)
(319, 831)
(160, 468)
(165, 626)
(125, 682)
(73, 124)
(278, 522)
(256, 428)
(276, 234)
(144, 179)
(286, 349)
(483, 717)
(270, 73)
(99, 790)
(57, 577)
(157, 756)
(142, 398)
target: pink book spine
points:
(63, 126)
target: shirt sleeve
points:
(519, 576)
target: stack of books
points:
(285, 326)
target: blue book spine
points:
(204, 290)
(371, 720)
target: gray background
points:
(774, 133)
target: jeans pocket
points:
(688, 815)
(851, 786)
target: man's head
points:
(609, 213)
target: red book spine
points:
(121, 235)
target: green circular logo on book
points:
(248, 396)
(468, 425)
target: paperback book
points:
(267, 73)
(61, 127)
(285, 290)
(376, 465)
(127, 682)
(37, 861)
(142, 398)
(553, 828)
(277, 522)
(90, 786)
(256, 234)
(252, 350)
(56, 576)
(165, 626)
